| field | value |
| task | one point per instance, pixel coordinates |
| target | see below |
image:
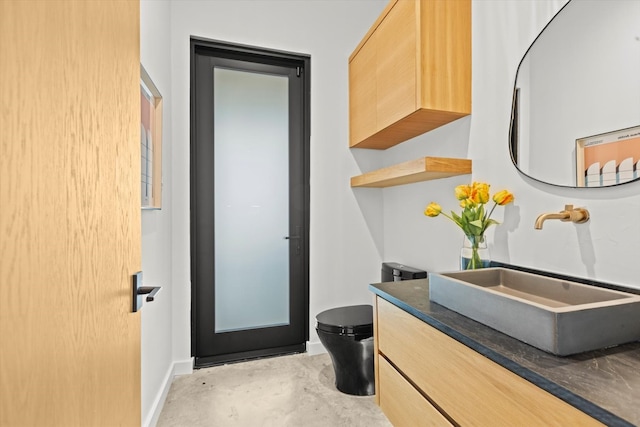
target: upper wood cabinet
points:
(411, 73)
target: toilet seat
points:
(351, 320)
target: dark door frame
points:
(220, 49)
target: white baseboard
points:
(183, 367)
(315, 347)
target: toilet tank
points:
(395, 272)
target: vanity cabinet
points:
(424, 377)
(411, 73)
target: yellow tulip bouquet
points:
(473, 220)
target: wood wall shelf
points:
(422, 169)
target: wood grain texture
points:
(422, 71)
(470, 388)
(373, 28)
(376, 364)
(423, 169)
(396, 64)
(415, 124)
(70, 217)
(362, 94)
(402, 403)
(445, 55)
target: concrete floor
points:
(295, 390)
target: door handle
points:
(297, 238)
(149, 291)
(139, 291)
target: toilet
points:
(347, 334)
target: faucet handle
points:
(579, 215)
(568, 208)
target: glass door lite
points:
(249, 202)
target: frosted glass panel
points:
(251, 200)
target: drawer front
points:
(468, 387)
(402, 403)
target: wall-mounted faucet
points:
(577, 215)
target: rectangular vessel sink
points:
(554, 315)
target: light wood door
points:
(69, 213)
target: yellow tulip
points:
(503, 197)
(467, 203)
(473, 220)
(462, 192)
(433, 209)
(481, 192)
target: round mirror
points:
(576, 106)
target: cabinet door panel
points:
(446, 56)
(362, 93)
(396, 64)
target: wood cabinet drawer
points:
(402, 403)
(468, 387)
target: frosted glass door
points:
(251, 198)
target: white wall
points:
(344, 256)
(605, 248)
(353, 230)
(156, 344)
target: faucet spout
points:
(577, 215)
(562, 216)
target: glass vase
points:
(474, 253)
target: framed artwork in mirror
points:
(150, 142)
(608, 159)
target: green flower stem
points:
(475, 261)
(489, 216)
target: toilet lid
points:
(353, 319)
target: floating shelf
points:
(423, 169)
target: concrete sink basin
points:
(554, 315)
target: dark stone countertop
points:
(604, 383)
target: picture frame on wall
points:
(608, 159)
(150, 142)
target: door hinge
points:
(298, 71)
